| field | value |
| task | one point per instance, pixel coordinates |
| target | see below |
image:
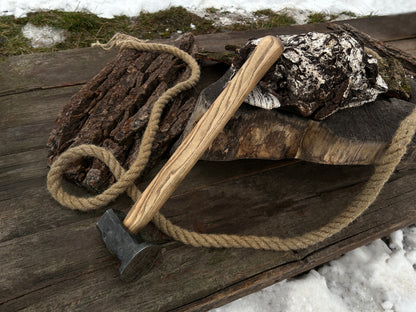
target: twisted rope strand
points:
(384, 167)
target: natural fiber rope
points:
(384, 167)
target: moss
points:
(266, 19)
(266, 12)
(393, 73)
(273, 19)
(348, 13)
(317, 18)
(407, 89)
(212, 10)
(322, 17)
(164, 23)
(83, 28)
(13, 41)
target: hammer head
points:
(136, 256)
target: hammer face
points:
(136, 258)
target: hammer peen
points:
(117, 232)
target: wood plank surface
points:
(53, 259)
(393, 28)
(408, 45)
(51, 70)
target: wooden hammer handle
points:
(203, 134)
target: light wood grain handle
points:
(203, 134)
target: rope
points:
(384, 167)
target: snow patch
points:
(371, 278)
(308, 293)
(109, 8)
(43, 37)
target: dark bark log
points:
(112, 110)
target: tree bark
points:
(113, 109)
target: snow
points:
(110, 8)
(378, 277)
(44, 36)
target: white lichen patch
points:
(318, 74)
(43, 37)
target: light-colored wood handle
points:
(203, 134)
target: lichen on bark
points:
(317, 75)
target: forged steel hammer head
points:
(136, 257)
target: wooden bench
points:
(53, 259)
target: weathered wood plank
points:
(27, 207)
(53, 258)
(45, 70)
(332, 251)
(25, 127)
(386, 28)
(81, 270)
(279, 273)
(48, 70)
(394, 27)
(15, 111)
(408, 45)
(63, 264)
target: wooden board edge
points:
(267, 278)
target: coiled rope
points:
(384, 167)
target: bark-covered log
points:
(317, 75)
(353, 136)
(112, 110)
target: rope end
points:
(118, 40)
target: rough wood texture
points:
(112, 110)
(382, 28)
(47, 71)
(53, 259)
(352, 136)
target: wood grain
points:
(52, 258)
(394, 27)
(51, 70)
(204, 132)
(351, 136)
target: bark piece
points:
(112, 110)
(352, 136)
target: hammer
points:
(118, 232)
